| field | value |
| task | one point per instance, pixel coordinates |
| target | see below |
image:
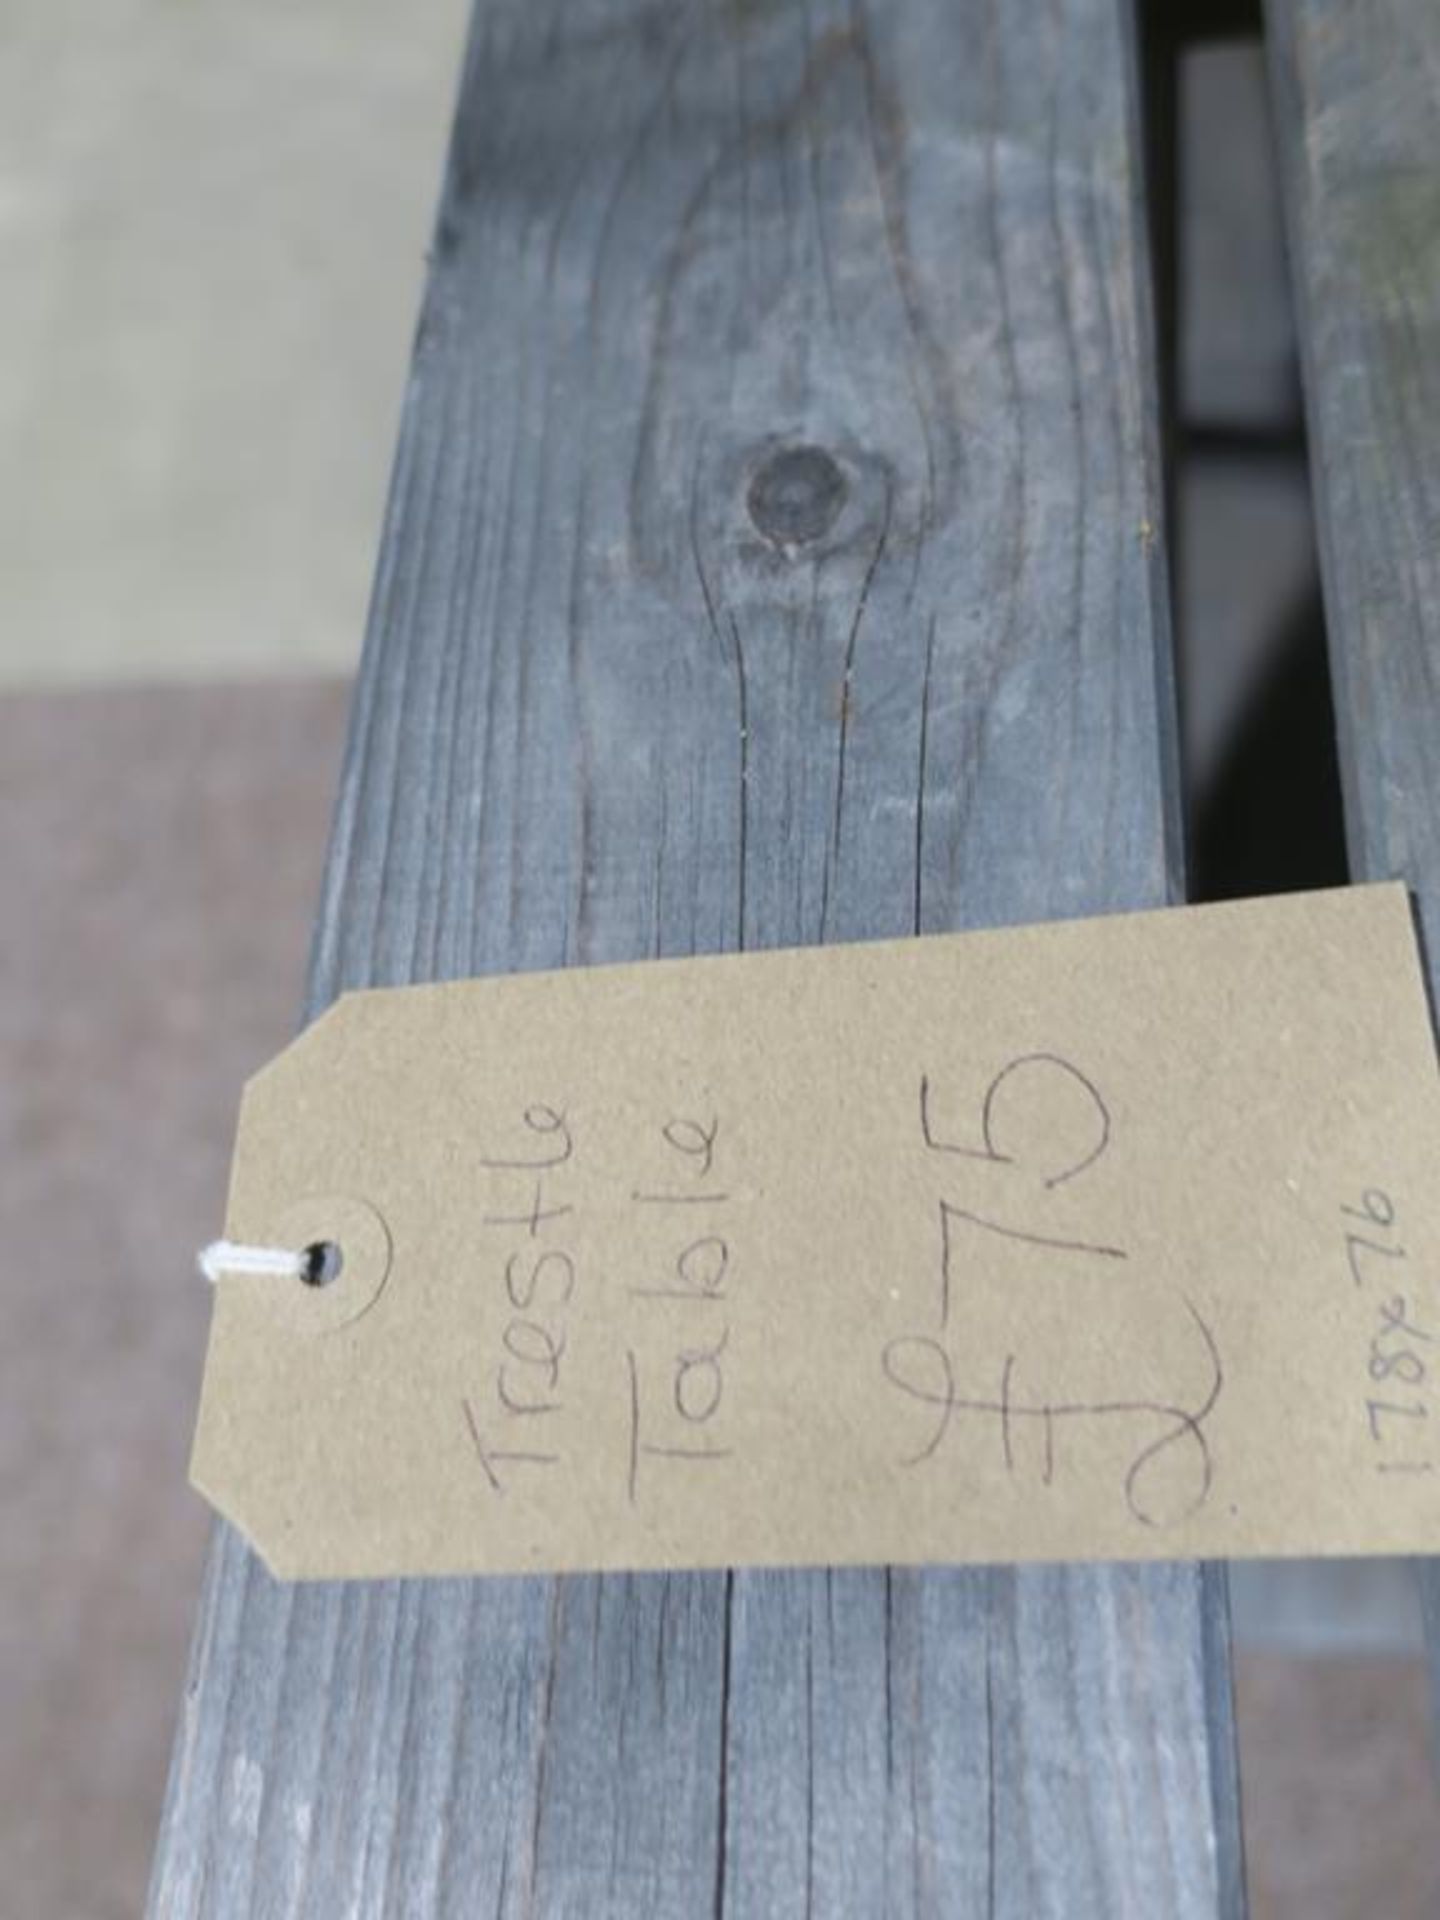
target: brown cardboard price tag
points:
(1104, 1239)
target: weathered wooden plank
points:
(645, 676)
(1357, 115)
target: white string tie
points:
(224, 1257)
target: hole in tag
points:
(324, 1263)
(344, 1255)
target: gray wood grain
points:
(642, 678)
(1356, 87)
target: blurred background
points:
(212, 231)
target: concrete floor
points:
(211, 229)
(213, 221)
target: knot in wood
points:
(795, 496)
